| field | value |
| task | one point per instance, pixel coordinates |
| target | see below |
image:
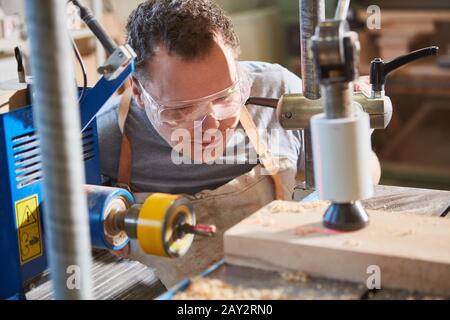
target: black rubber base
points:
(345, 216)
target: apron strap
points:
(124, 108)
(126, 157)
(263, 152)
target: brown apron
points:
(222, 207)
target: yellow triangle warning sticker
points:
(29, 229)
(28, 217)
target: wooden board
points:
(412, 252)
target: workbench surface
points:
(116, 278)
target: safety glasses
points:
(189, 114)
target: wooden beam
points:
(412, 252)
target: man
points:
(184, 126)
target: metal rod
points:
(312, 12)
(56, 114)
(100, 53)
(338, 100)
(342, 10)
(310, 182)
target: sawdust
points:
(265, 222)
(213, 289)
(295, 207)
(405, 233)
(295, 276)
(302, 231)
(423, 298)
(352, 243)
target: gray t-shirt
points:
(153, 169)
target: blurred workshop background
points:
(414, 150)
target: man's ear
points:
(137, 92)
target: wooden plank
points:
(412, 252)
(415, 201)
(424, 202)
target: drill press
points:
(341, 135)
(334, 51)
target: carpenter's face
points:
(202, 97)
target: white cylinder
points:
(342, 157)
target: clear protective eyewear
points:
(189, 114)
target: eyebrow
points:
(181, 102)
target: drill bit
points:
(199, 229)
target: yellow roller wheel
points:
(158, 217)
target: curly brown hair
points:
(185, 28)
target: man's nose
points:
(210, 123)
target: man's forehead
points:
(173, 78)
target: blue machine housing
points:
(21, 179)
(98, 200)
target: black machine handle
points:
(263, 102)
(379, 69)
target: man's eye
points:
(187, 109)
(223, 100)
(174, 114)
(178, 113)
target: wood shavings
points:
(213, 289)
(352, 243)
(342, 297)
(261, 221)
(424, 298)
(306, 230)
(268, 222)
(295, 207)
(433, 298)
(302, 231)
(295, 276)
(405, 233)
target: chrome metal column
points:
(57, 118)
